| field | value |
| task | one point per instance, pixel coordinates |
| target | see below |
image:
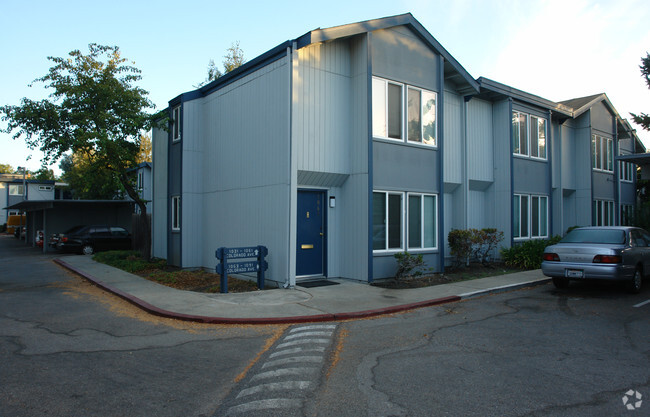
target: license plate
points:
(574, 273)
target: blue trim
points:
(370, 157)
(512, 177)
(617, 199)
(549, 161)
(441, 181)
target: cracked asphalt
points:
(531, 352)
(70, 349)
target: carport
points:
(57, 216)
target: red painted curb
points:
(253, 320)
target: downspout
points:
(370, 164)
(512, 179)
(549, 161)
(441, 181)
(290, 241)
(465, 160)
(617, 188)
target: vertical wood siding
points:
(159, 143)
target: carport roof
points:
(35, 205)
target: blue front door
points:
(310, 250)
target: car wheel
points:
(87, 250)
(635, 285)
(561, 282)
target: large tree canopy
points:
(95, 110)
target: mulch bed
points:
(473, 271)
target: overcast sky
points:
(557, 49)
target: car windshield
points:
(612, 236)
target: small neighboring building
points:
(143, 184)
(349, 144)
(14, 189)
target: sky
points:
(556, 49)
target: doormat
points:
(318, 283)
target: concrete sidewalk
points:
(347, 300)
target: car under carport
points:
(56, 216)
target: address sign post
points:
(258, 265)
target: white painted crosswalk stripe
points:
(308, 334)
(270, 404)
(289, 373)
(293, 351)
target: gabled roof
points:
(581, 104)
(492, 89)
(454, 72)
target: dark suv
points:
(91, 239)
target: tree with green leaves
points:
(233, 59)
(6, 169)
(643, 119)
(44, 173)
(95, 110)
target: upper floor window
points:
(44, 188)
(602, 153)
(16, 189)
(394, 118)
(176, 123)
(140, 181)
(528, 135)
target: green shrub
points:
(460, 245)
(408, 266)
(128, 260)
(473, 244)
(528, 254)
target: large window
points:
(602, 152)
(176, 123)
(603, 213)
(391, 119)
(421, 221)
(176, 213)
(16, 189)
(395, 221)
(530, 216)
(528, 135)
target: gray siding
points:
(501, 127)
(160, 225)
(398, 54)
(530, 176)
(193, 144)
(243, 197)
(454, 125)
(330, 139)
(480, 142)
(403, 167)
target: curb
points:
(253, 320)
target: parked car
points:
(603, 253)
(56, 237)
(91, 239)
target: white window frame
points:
(422, 222)
(176, 213)
(529, 139)
(381, 132)
(140, 181)
(626, 171)
(386, 249)
(176, 123)
(44, 188)
(603, 213)
(542, 201)
(19, 189)
(602, 149)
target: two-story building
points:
(344, 146)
